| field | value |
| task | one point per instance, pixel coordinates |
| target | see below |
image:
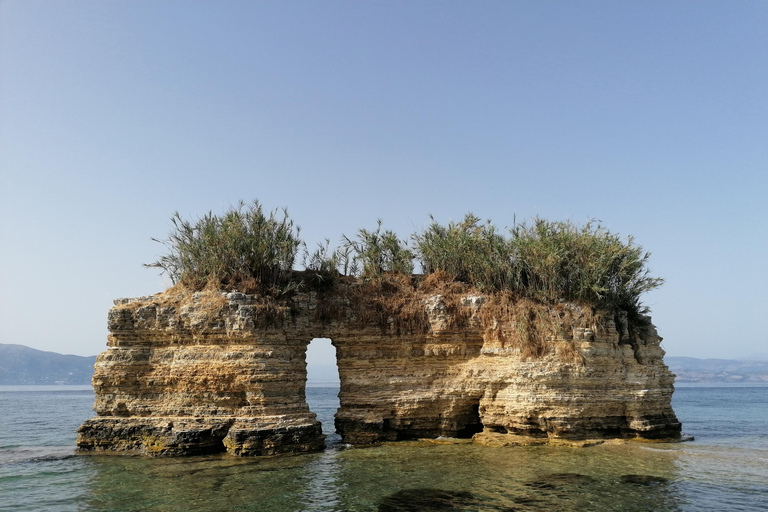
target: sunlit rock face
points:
(214, 372)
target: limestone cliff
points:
(220, 371)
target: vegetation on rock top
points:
(245, 248)
(254, 251)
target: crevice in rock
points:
(473, 423)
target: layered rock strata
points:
(219, 372)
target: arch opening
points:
(322, 388)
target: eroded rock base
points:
(185, 436)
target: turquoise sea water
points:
(725, 468)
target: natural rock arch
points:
(216, 371)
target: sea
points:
(724, 469)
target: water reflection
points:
(216, 483)
(322, 483)
(422, 475)
(363, 479)
(533, 478)
(416, 476)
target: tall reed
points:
(542, 260)
(467, 251)
(243, 248)
(561, 260)
(377, 252)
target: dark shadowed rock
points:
(646, 480)
(560, 480)
(426, 500)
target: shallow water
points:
(726, 468)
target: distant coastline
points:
(24, 366)
(690, 371)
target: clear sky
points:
(651, 116)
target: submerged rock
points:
(645, 480)
(426, 500)
(559, 480)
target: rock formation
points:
(214, 371)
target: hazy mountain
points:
(762, 356)
(24, 365)
(690, 369)
(20, 365)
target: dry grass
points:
(440, 283)
(568, 353)
(536, 328)
(390, 302)
(395, 304)
(517, 323)
(209, 301)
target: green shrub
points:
(376, 252)
(321, 266)
(243, 248)
(542, 260)
(560, 260)
(467, 251)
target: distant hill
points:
(20, 365)
(690, 370)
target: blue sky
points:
(649, 116)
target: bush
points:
(543, 261)
(467, 251)
(560, 260)
(244, 248)
(321, 266)
(376, 252)
(540, 260)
